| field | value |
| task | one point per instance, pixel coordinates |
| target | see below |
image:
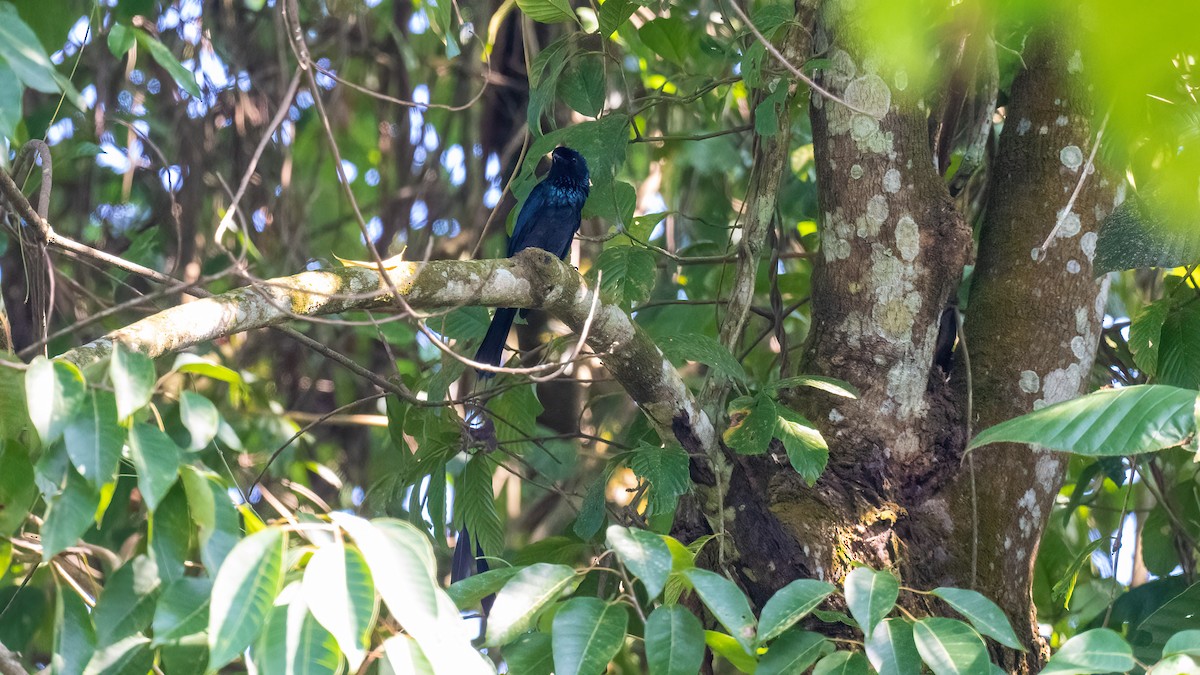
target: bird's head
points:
(568, 166)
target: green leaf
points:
(1106, 423)
(828, 385)
(293, 642)
(243, 593)
(74, 635)
(790, 604)
(1144, 333)
(156, 458)
(468, 592)
(210, 508)
(55, 390)
(644, 553)
(1179, 351)
(806, 447)
(532, 654)
(591, 512)
(11, 95)
(667, 470)
(752, 424)
(405, 657)
(128, 655)
(950, 647)
(182, 610)
(793, 652)
(340, 593)
(121, 39)
(132, 376)
(626, 274)
(582, 85)
(94, 438)
(464, 323)
(615, 202)
(614, 13)
(20, 47)
(17, 489)
(870, 596)
(1099, 650)
(1184, 642)
(727, 603)
(163, 56)
(674, 641)
(126, 606)
(1140, 233)
(524, 597)
(731, 650)
(892, 650)
(476, 506)
(702, 349)
(587, 633)
(983, 614)
(169, 530)
(196, 365)
(842, 663)
(68, 515)
(670, 38)
(514, 414)
(200, 417)
(547, 11)
(1065, 586)
(766, 113)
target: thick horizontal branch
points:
(533, 278)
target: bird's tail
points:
(492, 348)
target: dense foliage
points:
(291, 503)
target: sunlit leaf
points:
(891, 648)
(674, 641)
(983, 614)
(94, 439)
(586, 634)
(870, 595)
(157, 460)
(790, 604)
(842, 663)
(524, 597)
(243, 593)
(132, 376)
(1099, 650)
(949, 646)
(793, 652)
(340, 593)
(644, 553)
(727, 603)
(55, 390)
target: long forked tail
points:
(492, 348)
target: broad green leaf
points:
(524, 597)
(200, 418)
(170, 529)
(121, 39)
(950, 647)
(17, 489)
(702, 349)
(582, 85)
(68, 515)
(766, 113)
(1106, 423)
(20, 47)
(476, 507)
(211, 509)
(126, 606)
(1145, 332)
(591, 512)
(132, 376)
(1179, 664)
(531, 654)
(293, 642)
(670, 38)
(614, 13)
(731, 650)
(790, 604)
(1065, 586)
(1184, 642)
(983, 614)
(547, 11)
(514, 414)
(1140, 233)
(674, 641)
(128, 655)
(340, 593)
(793, 652)
(587, 633)
(196, 365)
(468, 592)
(752, 424)
(55, 390)
(189, 655)
(11, 93)
(243, 593)
(403, 656)
(1100, 650)
(1179, 351)
(727, 603)
(94, 438)
(828, 385)
(626, 274)
(74, 634)
(163, 56)
(464, 323)
(644, 553)
(667, 470)
(806, 447)
(614, 202)
(156, 458)
(182, 610)
(870, 596)
(842, 663)
(892, 650)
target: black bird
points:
(548, 220)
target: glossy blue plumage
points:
(548, 220)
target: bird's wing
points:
(551, 228)
(533, 204)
